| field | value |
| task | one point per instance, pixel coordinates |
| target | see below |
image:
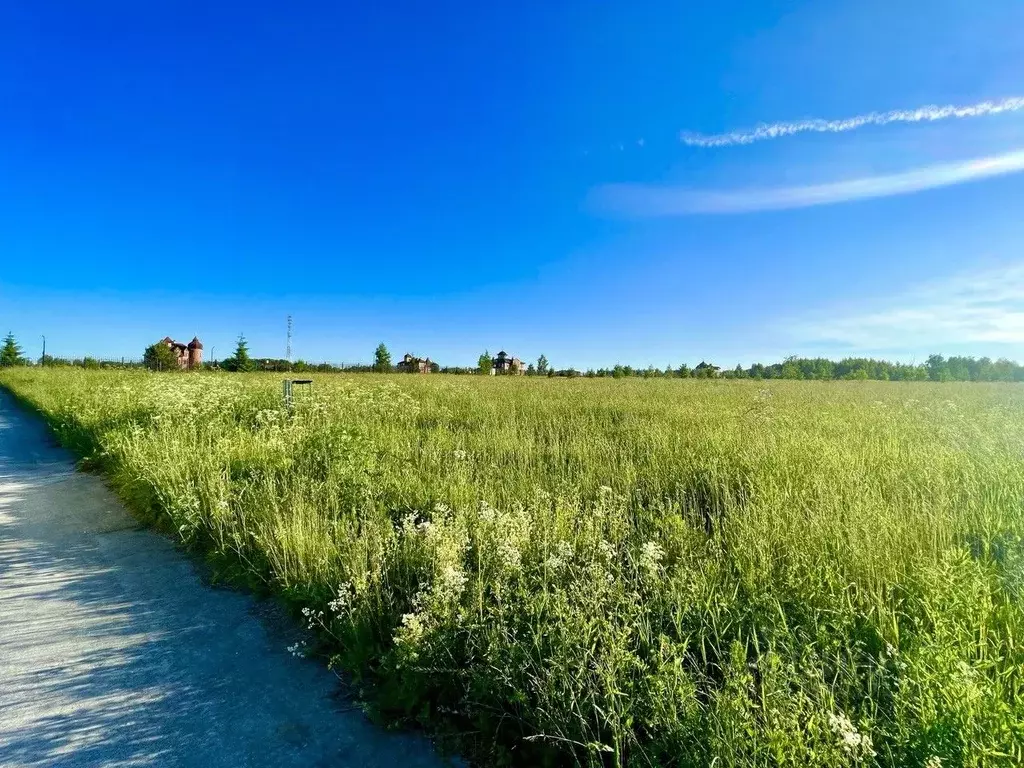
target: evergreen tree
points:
(10, 353)
(542, 366)
(382, 359)
(240, 360)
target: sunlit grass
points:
(613, 572)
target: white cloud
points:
(931, 113)
(983, 308)
(659, 200)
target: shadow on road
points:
(113, 652)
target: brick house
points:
(189, 356)
(411, 364)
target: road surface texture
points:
(113, 652)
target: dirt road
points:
(113, 652)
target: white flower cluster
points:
(413, 627)
(563, 554)
(488, 514)
(313, 618)
(343, 599)
(651, 556)
(850, 739)
(298, 650)
(450, 584)
(509, 556)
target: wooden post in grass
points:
(289, 401)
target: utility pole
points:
(288, 349)
(42, 360)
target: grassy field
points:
(611, 572)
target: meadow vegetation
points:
(626, 572)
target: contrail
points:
(767, 131)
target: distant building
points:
(503, 364)
(189, 355)
(410, 364)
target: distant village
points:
(171, 355)
(502, 363)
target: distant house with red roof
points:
(189, 356)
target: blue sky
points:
(462, 177)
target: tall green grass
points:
(612, 572)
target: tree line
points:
(936, 368)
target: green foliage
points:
(485, 363)
(10, 353)
(382, 359)
(159, 357)
(705, 370)
(937, 368)
(542, 366)
(630, 573)
(240, 361)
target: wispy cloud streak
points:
(931, 113)
(648, 200)
(968, 309)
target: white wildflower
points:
(563, 554)
(554, 563)
(509, 556)
(450, 584)
(488, 513)
(459, 454)
(343, 599)
(413, 628)
(650, 557)
(933, 762)
(298, 650)
(850, 739)
(313, 617)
